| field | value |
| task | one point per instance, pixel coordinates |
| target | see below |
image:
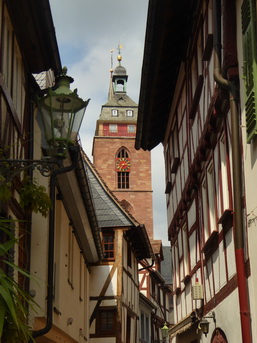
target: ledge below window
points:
(168, 187)
(226, 215)
(177, 290)
(211, 244)
(186, 279)
(175, 164)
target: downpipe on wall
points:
(237, 175)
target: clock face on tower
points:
(123, 164)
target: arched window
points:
(122, 169)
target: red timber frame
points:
(201, 175)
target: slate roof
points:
(109, 212)
(120, 99)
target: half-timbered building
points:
(114, 281)
(197, 98)
(57, 252)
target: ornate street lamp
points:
(165, 332)
(61, 114)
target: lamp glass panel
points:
(62, 123)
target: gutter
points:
(237, 175)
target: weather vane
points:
(119, 58)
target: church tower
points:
(125, 170)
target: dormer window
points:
(129, 113)
(114, 113)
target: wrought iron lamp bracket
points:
(10, 168)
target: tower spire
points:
(111, 91)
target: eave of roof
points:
(168, 30)
(35, 32)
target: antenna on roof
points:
(111, 70)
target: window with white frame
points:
(224, 175)
(113, 128)
(211, 197)
(209, 216)
(176, 278)
(131, 129)
(114, 113)
(205, 217)
(185, 250)
(129, 113)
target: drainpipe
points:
(74, 151)
(237, 177)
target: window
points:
(211, 197)
(208, 202)
(113, 128)
(174, 149)
(144, 325)
(129, 113)
(122, 153)
(153, 288)
(131, 128)
(106, 322)
(224, 183)
(108, 245)
(114, 113)
(128, 255)
(123, 180)
(123, 169)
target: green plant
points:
(34, 198)
(5, 190)
(14, 301)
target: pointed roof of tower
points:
(111, 90)
(118, 98)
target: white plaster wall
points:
(227, 318)
(99, 275)
(250, 178)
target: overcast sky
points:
(87, 31)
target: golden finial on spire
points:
(119, 58)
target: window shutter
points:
(250, 66)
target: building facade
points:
(197, 98)
(126, 171)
